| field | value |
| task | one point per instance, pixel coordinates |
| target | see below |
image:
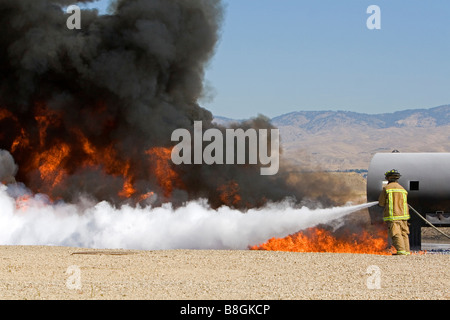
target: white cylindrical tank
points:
(426, 177)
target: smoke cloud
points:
(92, 106)
(123, 82)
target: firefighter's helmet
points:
(392, 174)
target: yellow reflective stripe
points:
(397, 190)
(391, 216)
(405, 205)
(395, 218)
(391, 205)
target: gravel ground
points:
(35, 272)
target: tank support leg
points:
(415, 236)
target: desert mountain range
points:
(343, 140)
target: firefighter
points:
(394, 199)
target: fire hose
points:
(427, 222)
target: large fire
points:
(48, 159)
(64, 158)
(53, 152)
(321, 240)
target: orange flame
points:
(110, 162)
(21, 141)
(128, 189)
(45, 117)
(166, 176)
(48, 160)
(52, 159)
(229, 193)
(50, 164)
(321, 240)
(5, 114)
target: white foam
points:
(195, 225)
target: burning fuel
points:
(323, 240)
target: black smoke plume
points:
(123, 82)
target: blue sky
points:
(278, 56)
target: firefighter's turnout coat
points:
(394, 199)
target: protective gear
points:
(394, 199)
(392, 174)
(398, 231)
